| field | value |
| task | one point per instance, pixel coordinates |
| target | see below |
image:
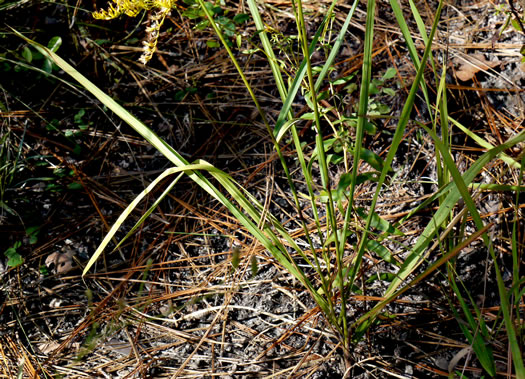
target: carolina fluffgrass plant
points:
(328, 242)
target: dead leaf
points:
(120, 347)
(48, 347)
(60, 262)
(475, 63)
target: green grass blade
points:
(150, 210)
(301, 72)
(125, 214)
(270, 131)
(476, 333)
(175, 158)
(337, 46)
(267, 46)
(331, 223)
(504, 302)
(366, 320)
(400, 18)
(415, 256)
(409, 265)
(358, 144)
(485, 144)
(517, 236)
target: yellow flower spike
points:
(133, 8)
(156, 19)
(129, 7)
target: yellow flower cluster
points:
(131, 8)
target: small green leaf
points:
(240, 18)
(372, 89)
(60, 172)
(54, 187)
(26, 53)
(32, 230)
(339, 81)
(516, 25)
(308, 116)
(254, 266)
(32, 233)
(379, 223)
(323, 95)
(344, 80)
(351, 88)
(372, 159)
(14, 259)
(238, 40)
(370, 128)
(383, 108)
(340, 236)
(371, 176)
(236, 257)
(389, 91)
(78, 116)
(48, 66)
(212, 43)
(390, 73)
(381, 251)
(323, 196)
(334, 158)
(386, 276)
(228, 27)
(54, 43)
(179, 95)
(344, 181)
(6, 208)
(74, 186)
(192, 13)
(52, 126)
(202, 25)
(338, 146)
(250, 51)
(317, 69)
